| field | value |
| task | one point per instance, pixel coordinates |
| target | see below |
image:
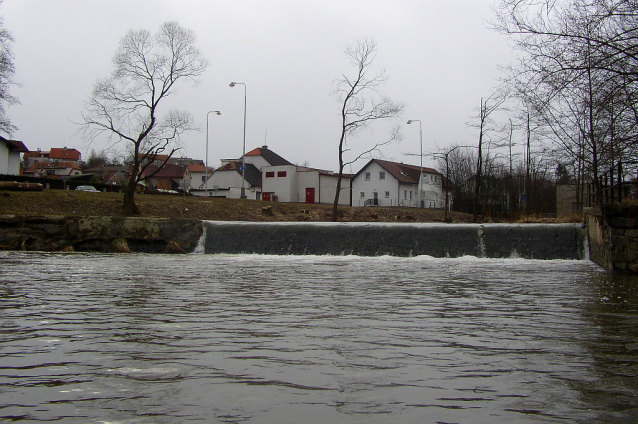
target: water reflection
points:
(261, 339)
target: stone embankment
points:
(613, 236)
(100, 234)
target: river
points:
(99, 338)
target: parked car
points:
(87, 188)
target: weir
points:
(528, 241)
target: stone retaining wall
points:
(101, 234)
(613, 237)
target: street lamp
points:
(421, 156)
(243, 156)
(206, 161)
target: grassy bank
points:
(76, 203)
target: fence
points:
(613, 187)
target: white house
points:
(385, 183)
(10, 156)
(226, 181)
(300, 184)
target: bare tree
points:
(484, 123)
(126, 105)
(7, 71)
(361, 105)
(579, 71)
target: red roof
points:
(64, 153)
(198, 167)
(36, 154)
(52, 165)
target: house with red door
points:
(229, 178)
(301, 184)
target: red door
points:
(266, 196)
(310, 195)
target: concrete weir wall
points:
(531, 241)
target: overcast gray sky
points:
(439, 55)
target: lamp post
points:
(206, 161)
(421, 156)
(243, 156)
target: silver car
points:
(87, 188)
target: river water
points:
(95, 338)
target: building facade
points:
(385, 183)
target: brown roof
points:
(15, 145)
(401, 171)
(167, 171)
(64, 153)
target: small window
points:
(405, 194)
(367, 176)
(363, 194)
(382, 175)
(203, 178)
(270, 174)
(281, 174)
(410, 194)
(387, 194)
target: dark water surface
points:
(88, 338)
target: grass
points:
(76, 203)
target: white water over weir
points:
(529, 241)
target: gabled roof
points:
(64, 154)
(167, 171)
(15, 145)
(400, 171)
(252, 174)
(270, 156)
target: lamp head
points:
(410, 121)
(218, 112)
(232, 84)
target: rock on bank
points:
(101, 234)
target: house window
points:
(363, 194)
(405, 194)
(382, 175)
(203, 178)
(410, 194)
(387, 194)
(367, 176)
(281, 174)
(270, 174)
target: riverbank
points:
(84, 204)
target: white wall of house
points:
(375, 179)
(290, 183)
(328, 187)
(433, 196)
(375, 182)
(258, 161)
(9, 161)
(280, 181)
(228, 184)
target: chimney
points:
(264, 147)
